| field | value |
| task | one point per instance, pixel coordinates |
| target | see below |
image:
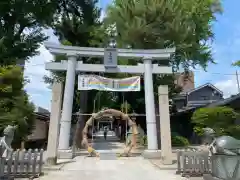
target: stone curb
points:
(53, 168)
(163, 167)
(85, 153)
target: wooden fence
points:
(193, 163)
(21, 164)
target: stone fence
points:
(21, 164)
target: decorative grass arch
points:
(110, 112)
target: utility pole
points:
(238, 82)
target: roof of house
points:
(205, 85)
(42, 116)
(214, 104)
(225, 101)
(39, 109)
(200, 87)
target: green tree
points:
(21, 26)
(77, 24)
(15, 108)
(221, 119)
(186, 25)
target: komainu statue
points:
(6, 140)
(225, 145)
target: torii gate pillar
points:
(65, 126)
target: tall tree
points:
(21, 33)
(21, 28)
(77, 23)
(154, 24)
(15, 108)
(186, 25)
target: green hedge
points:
(177, 141)
(180, 141)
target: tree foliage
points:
(186, 25)
(21, 28)
(221, 119)
(78, 23)
(15, 108)
(237, 63)
(21, 25)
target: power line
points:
(214, 73)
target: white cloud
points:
(38, 91)
(34, 71)
(229, 87)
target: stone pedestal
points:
(151, 154)
(53, 134)
(65, 154)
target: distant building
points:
(39, 135)
(197, 97)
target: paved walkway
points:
(134, 168)
(110, 167)
(111, 144)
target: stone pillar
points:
(165, 129)
(53, 132)
(65, 126)
(150, 109)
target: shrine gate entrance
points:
(72, 66)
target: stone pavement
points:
(133, 168)
(110, 167)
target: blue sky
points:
(226, 49)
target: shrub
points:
(180, 141)
(220, 119)
(177, 141)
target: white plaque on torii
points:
(110, 57)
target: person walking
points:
(105, 133)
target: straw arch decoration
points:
(110, 112)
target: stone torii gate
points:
(72, 66)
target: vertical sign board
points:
(110, 57)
